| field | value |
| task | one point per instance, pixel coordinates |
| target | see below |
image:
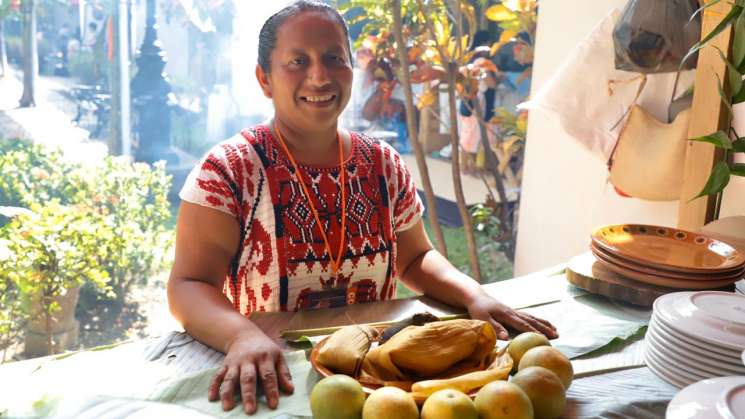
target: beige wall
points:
(565, 194)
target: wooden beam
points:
(708, 115)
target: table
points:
(168, 375)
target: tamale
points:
(417, 319)
(426, 351)
(346, 348)
(499, 369)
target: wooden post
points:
(708, 115)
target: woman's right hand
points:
(249, 356)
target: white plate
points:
(701, 360)
(710, 346)
(700, 353)
(684, 372)
(664, 373)
(685, 375)
(693, 362)
(712, 316)
(700, 400)
(733, 401)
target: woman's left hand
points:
(486, 308)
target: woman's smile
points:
(319, 101)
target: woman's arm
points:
(425, 270)
(206, 242)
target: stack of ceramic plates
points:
(696, 335)
(667, 257)
(722, 397)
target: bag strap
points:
(672, 97)
(642, 84)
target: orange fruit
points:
(544, 389)
(449, 404)
(503, 400)
(390, 403)
(551, 358)
(337, 397)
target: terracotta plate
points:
(367, 387)
(691, 276)
(663, 281)
(668, 248)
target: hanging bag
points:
(648, 158)
(653, 36)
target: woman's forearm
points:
(435, 277)
(206, 313)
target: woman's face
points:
(310, 80)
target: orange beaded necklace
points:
(335, 264)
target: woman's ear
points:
(263, 79)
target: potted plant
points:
(49, 252)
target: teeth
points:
(319, 98)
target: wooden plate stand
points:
(585, 272)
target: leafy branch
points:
(731, 94)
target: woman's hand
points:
(486, 308)
(248, 356)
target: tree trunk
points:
(30, 54)
(3, 51)
(119, 120)
(48, 327)
(421, 161)
(452, 69)
(492, 164)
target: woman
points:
(265, 226)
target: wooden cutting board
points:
(585, 272)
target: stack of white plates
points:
(696, 335)
(722, 397)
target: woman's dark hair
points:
(268, 34)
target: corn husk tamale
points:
(346, 348)
(432, 349)
(499, 369)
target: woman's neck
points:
(317, 148)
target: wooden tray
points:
(585, 272)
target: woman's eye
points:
(337, 59)
(297, 61)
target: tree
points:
(411, 110)
(448, 47)
(30, 53)
(120, 137)
(437, 36)
(6, 10)
(392, 13)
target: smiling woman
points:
(296, 214)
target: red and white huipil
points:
(282, 263)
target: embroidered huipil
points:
(282, 263)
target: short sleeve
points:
(214, 182)
(407, 205)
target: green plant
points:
(485, 220)
(11, 312)
(129, 201)
(50, 250)
(133, 197)
(728, 139)
(33, 174)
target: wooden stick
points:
(293, 335)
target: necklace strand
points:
(335, 264)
